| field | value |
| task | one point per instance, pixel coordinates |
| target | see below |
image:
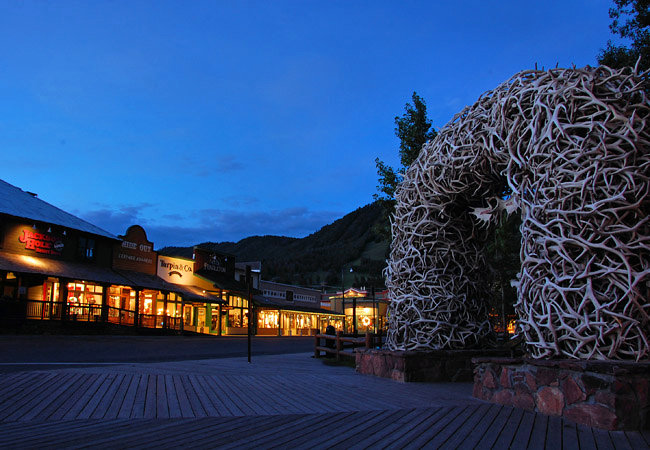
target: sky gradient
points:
(217, 120)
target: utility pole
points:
(374, 309)
(249, 285)
(343, 303)
(343, 299)
(354, 316)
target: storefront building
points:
(155, 303)
(286, 310)
(214, 273)
(55, 266)
(365, 308)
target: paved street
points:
(33, 352)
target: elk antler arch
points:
(573, 145)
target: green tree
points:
(630, 20)
(413, 129)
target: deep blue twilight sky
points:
(217, 120)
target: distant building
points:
(288, 310)
(370, 309)
(56, 266)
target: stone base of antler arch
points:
(612, 395)
(421, 366)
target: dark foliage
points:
(413, 129)
(630, 20)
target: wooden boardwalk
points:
(285, 401)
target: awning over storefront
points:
(146, 281)
(271, 303)
(222, 281)
(192, 293)
(189, 293)
(61, 269)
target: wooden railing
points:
(40, 310)
(340, 345)
(85, 313)
(120, 316)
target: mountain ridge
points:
(317, 260)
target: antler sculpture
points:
(573, 145)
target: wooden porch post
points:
(220, 333)
(136, 313)
(19, 281)
(105, 289)
(165, 319)
(219, 321)
(51, 309)
(63, 297)
(181, 326)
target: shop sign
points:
(214, 262)
(41, 242)
(144, 248)
(135, 252)
(176, 270)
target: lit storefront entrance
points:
(367, 318)
(57, 290)
(287, 322)
(84, 301)
(370, 310)
(121, 298)
(230, 318)
(236, 319)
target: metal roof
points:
(190, 293)
(66, 269)
(263, 301)
(18, 203)
(222, 281)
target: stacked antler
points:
(574, 147)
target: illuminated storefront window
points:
(366, 317)
(237, 314)
(188, 316)
(84, 301)
(267, 319)
(121, 305)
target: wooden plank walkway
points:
(280, 401)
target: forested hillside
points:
(354, 241)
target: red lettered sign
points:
(41, 242)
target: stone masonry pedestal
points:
(612, 395)
(409, 366)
